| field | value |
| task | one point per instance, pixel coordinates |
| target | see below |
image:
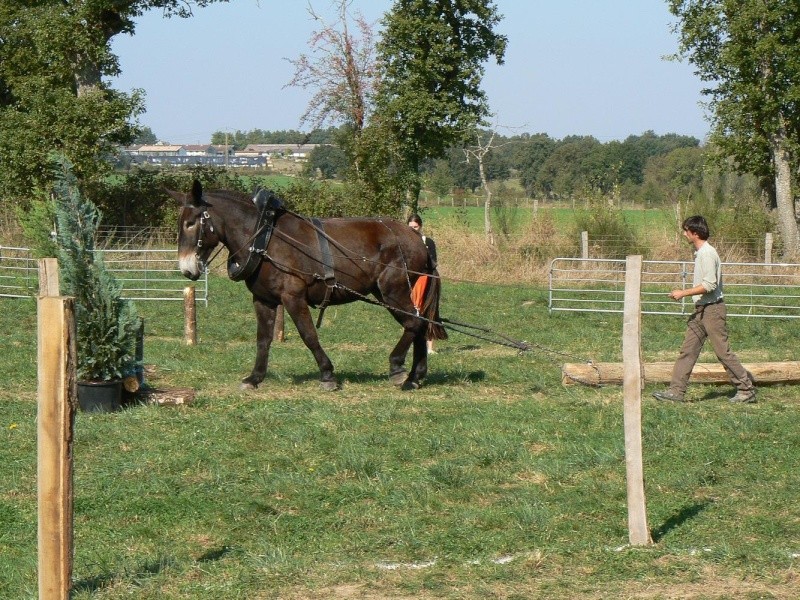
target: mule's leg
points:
(265, 319)
(413, 333)
(419, 363)
(397, 358)
(301, 315)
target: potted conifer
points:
(106, 324)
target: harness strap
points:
(327, 263)
(268, 206)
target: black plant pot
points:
(100, 396)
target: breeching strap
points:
(327, 263)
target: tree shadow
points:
(684, 514)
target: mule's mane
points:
(229, 195)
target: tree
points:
(145, 135)
(341, 70)
(530, 153)
(481, 152)
(431, 57)
(326, 161)
(747, 53)
(440, 179)
(53, 58)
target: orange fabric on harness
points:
(418, 292)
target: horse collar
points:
(269, 207)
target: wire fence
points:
(765, 290)
(144, 274)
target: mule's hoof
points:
(328, 386)
(398, 379)
(247, 386)
(410, 385)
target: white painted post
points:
(584, 244)
(768, 249)
(632, 384)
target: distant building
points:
(296, 151)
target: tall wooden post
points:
(190, 316)
(49, 283)
(57, 399)
(632, 384)
(584, 244)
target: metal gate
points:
(143, 274)
(770, 290)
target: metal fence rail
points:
(144, 274)
(19, 273)
(769, 290)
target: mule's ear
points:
(197, 194)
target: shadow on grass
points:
(146, 569)
(684, 514)
(214, 554)
(434, 377)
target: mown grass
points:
(492, 480)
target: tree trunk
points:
(787, 222)
(487, 208)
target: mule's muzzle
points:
(190, 275)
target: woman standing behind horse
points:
(418, 292)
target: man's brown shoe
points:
(667, 395)
(744, 397)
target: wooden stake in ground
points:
(190, 316)
(633, 382)
(278, 333)
(57, 399)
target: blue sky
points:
(573, 67)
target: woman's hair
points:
(415, 218)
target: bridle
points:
(205, 218)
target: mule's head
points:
(197, 233)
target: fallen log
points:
(611, 373)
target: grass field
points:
(491, 481)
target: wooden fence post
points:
(190, 316)
(632, 384)
(278, 333)
(49, 283)
(584, 244)
(57, 399)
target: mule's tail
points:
(430, 308)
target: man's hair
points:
(697, 225)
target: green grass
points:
(492, 480)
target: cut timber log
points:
(611, 373)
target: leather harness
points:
(270, 207)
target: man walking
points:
(707, 320)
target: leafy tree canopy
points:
(431, 59)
